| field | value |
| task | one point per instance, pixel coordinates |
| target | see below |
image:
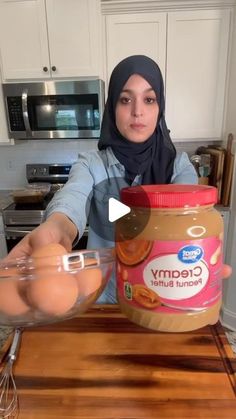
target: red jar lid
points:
(169, 196)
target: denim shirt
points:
(84, 198)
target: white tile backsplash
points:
(13, 158)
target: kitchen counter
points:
(103, 366)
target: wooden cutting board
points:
(216, 176)
(103, 366)
(217, 166)
(228, 172)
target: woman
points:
(134, 148)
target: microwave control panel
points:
(15, 113)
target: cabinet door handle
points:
(45, 69)
(54, 68)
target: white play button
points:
(116, 209)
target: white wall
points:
(230, 125)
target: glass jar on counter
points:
(169, 257)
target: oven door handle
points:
(17, 232)
(24, 99)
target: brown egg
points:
(89, 280)
(11, 302)
(48, 255)
(53, 292)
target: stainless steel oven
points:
(54, 109)
(20, 219)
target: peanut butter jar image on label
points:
(169, 271)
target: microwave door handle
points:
(24, 99)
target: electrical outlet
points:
(11, 165)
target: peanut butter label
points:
(172, 276)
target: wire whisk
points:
(8, 391)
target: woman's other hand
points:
(226, 271)
(58, 228)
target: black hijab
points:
(154, 158)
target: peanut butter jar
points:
(169, 257)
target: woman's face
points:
(137, 110)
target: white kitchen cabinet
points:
(197, 49)
(136, 33)
(42, 39)
(191, 48)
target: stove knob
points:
(34, 171)
(42, 170)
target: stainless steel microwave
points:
(54, 109)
